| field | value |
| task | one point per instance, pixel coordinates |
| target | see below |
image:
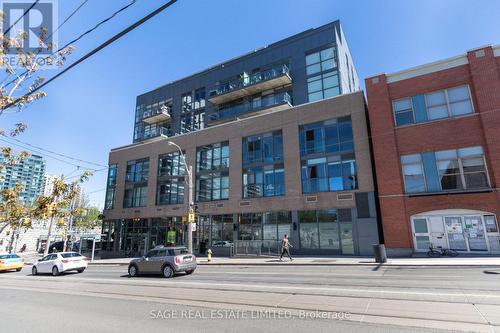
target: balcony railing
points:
(246, 108)
(156, 115)
(250, 84)
(155, 132)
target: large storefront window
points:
(212, 172)
(134, 236)
(321, 229)
(214, 230)
(108, 235)
(328, 162)
(168, 231)
(263, 232)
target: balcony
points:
(156, 115)
(156, 132)
(266, 104)
(249, 85)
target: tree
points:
(13, 212)
(57, 205)
(18, 88)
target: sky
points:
(90, 110)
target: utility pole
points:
(189, 171)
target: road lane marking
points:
(249, 287)
(422, 322)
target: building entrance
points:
(460, 230)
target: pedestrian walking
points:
(285, 247)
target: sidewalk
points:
(331, 261)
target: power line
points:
(59, 154)
(19, 19)
(97, 49)
(39, 153)
(79, 37)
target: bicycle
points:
(440, 252)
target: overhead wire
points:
(91, 53)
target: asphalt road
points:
(255, 298)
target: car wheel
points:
(133, 271)
(189, 272)
(34, 271)
(55, 271)
(80, 270)
(167, 271)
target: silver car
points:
(163, 260)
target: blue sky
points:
(90, 109)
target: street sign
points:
(193, 226)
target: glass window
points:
(111, 187)
(212, 186)
(333, 166)
(328, 229)
(263, 172)
(309, 237)
(403, 112)
(462, 169)
(491, 223)
(420, 226)
(170, 191)
(212, 157)
(137, 171)
(135, 197)
(325, 82)
(460, 101)
(413, 173)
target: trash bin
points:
(379, 253)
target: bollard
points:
(209, 255)
(379, 253)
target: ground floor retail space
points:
(467, 231)
(328, 231)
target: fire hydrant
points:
(209, 255)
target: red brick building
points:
(436, 143)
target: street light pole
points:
(189, 171)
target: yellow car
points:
(9, 262)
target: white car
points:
(57, 263)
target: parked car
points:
(164, 260)
(223, 244)
(57, 263)
(10, 262)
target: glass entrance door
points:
(476, 236)
(421, 234)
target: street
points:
(249, 298)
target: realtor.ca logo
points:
(30, 27)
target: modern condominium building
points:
(28, 172)
(436, 143)
(278, 144)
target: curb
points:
(322, 264)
